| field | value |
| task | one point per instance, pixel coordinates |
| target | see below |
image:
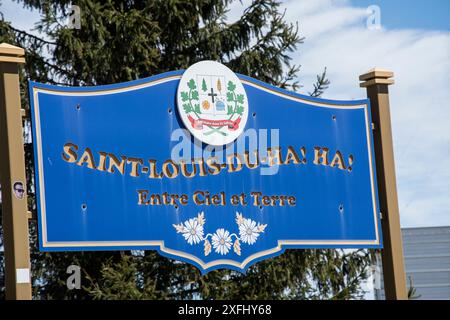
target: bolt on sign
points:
(205, 166)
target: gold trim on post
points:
(13, 181)
(376, 81)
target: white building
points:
(427, 262)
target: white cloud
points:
(316, 19)
(337, 37)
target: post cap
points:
(376, 76)
(10, 53)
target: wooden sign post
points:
(376, 81)
(12, 174)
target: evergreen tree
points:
(125, 40)
(204, 87)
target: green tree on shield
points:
(125, 40)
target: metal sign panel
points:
(107, 177)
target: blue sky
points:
(420, 14)
(413, 42)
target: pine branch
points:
(34, 37)
(321, 84)
(288, 81)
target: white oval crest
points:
(212, 103)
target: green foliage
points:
(197, 108)
(230, 96)
(240, 110)
(321, 84)
(187, 107)
(192, 85)
(184, 96)
(194, 95)
(204, 86)
(122, 280)
(125, 40)
(309, 274)
(231, 86)
(190, 96)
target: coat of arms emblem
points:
(212, 103)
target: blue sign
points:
(208, 167)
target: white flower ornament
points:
(222, 239)
(193, 231)
(248, 231)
